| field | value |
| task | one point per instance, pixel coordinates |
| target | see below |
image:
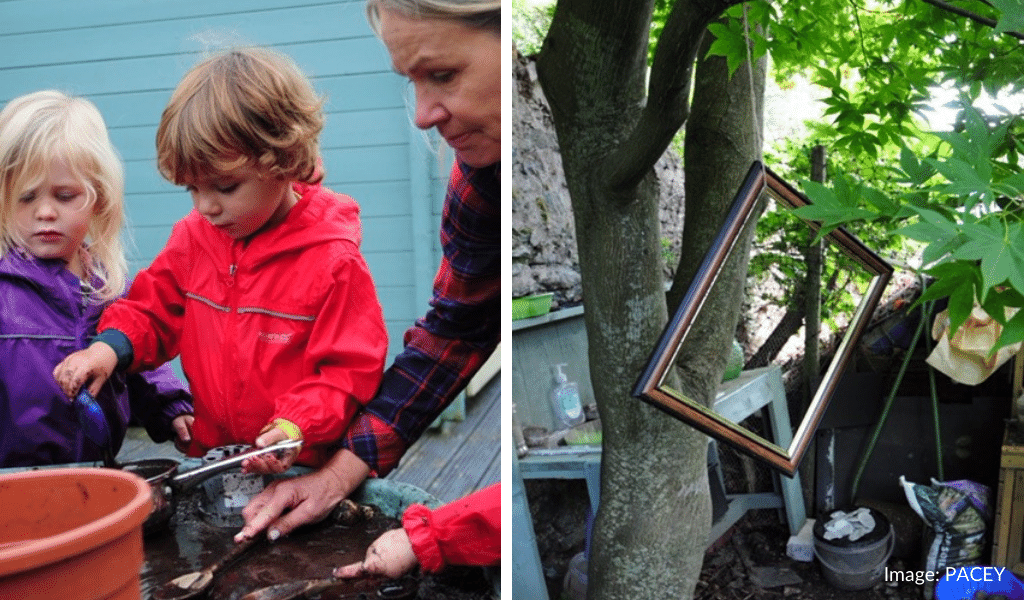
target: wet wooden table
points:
(313, 552)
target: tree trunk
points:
(788, 325)
(652, 525)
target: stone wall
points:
(544, 255)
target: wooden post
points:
(812, 292)
(1018, 376)
(812, 325)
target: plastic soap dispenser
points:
(565, 400)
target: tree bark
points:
(788, 325)
(651, 528)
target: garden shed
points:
(127, 56)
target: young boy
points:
(261, 289)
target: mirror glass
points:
(786, 295)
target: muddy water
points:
(191, 544)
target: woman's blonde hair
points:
(479, 14)
(42, 127)
(242, 106)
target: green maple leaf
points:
(1012, 17)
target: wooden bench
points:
(540, 343)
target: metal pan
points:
(167, 484)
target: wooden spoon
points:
(193, 584)
(370, 588)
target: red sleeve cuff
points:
(464, 532)
(418, 524)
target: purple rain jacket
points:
(44, 316)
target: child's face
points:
(242, 201)
(52, 218)
(456, 71)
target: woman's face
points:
(456, 72)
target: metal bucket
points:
(855, 565)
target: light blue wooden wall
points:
(128, 55)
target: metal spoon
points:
(193, 584)
(190, 479)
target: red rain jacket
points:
(464, 532)
(286, 325)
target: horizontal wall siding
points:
(128, 55)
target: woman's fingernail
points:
(273, 535)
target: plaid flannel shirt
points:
(449, 344)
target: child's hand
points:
(390, 555)
(275, 462)
(182, 425)
(94, 364)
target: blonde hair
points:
(242, 106)
(39, 128)
(478, 14)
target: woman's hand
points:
(307, 499)
(95, 363)
(390, 555)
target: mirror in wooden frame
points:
(852, 281)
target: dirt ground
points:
(759, 540)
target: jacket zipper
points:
(233, 388)
(82, 326)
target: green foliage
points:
(953, 197)
(740, 23)
(1012, 17)
(669, 255)
(778, 269)
(530, 25)
(658, 18)
(963, 202)
(879, 61)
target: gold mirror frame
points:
(651, 387)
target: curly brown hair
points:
(242, 106)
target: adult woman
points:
(450, 50)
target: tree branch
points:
(668, 97)
(972, 16)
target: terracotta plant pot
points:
(72, 534)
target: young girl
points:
(262, 288)
(61, 209)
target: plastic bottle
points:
(565, 400)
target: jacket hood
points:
(318, 205)
(313, 220)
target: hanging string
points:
(758, 130)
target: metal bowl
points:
(157, 472)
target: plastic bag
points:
(851, 525)
(967, 356)
(957, 514)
